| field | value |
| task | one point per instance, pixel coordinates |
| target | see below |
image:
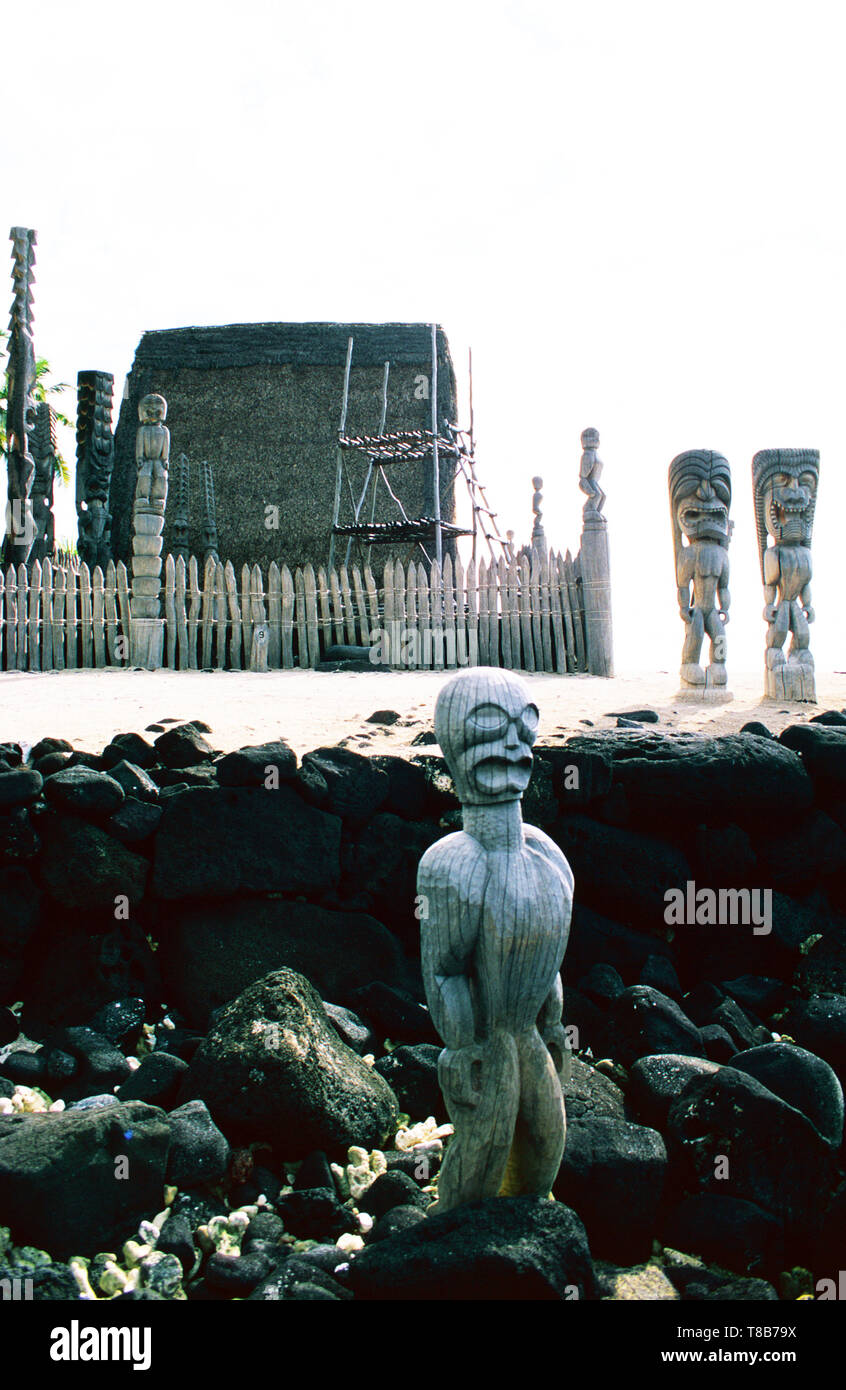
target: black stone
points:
(613, 1174)
(393, 1189)
(394, 1014)
(729, 1231)
(314, 1171)
(272, 844)
(602, 984)
(622, 873)
(18, 839)
(655, 1082)
(802, 1080)
(176, 1238)
(51, 762)
(820, 1026)
(135, 781)
(25, 1068)
(198, 1150)
(504, 1248)
(134, 821)
(297, 1087)
(357, 788)
(211, 952)
(183, 746)
(412, 1074)
(131, 748)
(120, 1021)
(769, 1153)
(57, 1175)
(84, 791)
(718, 1043)
(157, 1080)
(20, 787)
(237, 1275)
(646, 1021)
(394, 1222)
(315, 1214)
(353, 1031)
(660, 973)
(251, 767)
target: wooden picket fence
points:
(527, 615)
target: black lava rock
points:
(315, 1213)
(728, 1231)
(357, 788)
(183, 746)
(157, 1080)
(646, 1022)
(84, 791)
(613, 1174)
(132, 748)
(412, 1074)
(802, 1080)
(264, 765)
(60, 1175)
(394, 1014)
(504, 1248)
(121, 1021)
(198, 1150)
(237, 1275)
(20, 787)
(729, 1134)
(655, 1082)
(394, 1189)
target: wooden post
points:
(436, 469)
(98, 617)
(287, 584)
(596, 596)
(339, 469)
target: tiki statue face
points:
(787, 505)
(152, 409)
(700, 496)
(784, 483)
(486, 725)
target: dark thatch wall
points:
(262, 403)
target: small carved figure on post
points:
(538, 534)
(152, 451)
(785, 486)
(700, 497)
(495, 901)
(590, 471)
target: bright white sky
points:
(633, 213)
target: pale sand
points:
(311, 708)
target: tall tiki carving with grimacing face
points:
(700, 498)
(784, 484)
(495, 901)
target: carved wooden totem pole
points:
(700, 498)
(595, 561)
(20, 408)
(181, 542)
(784, 482)
(496, 900)
(95, 456)
(152, 451)
(44, 455)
